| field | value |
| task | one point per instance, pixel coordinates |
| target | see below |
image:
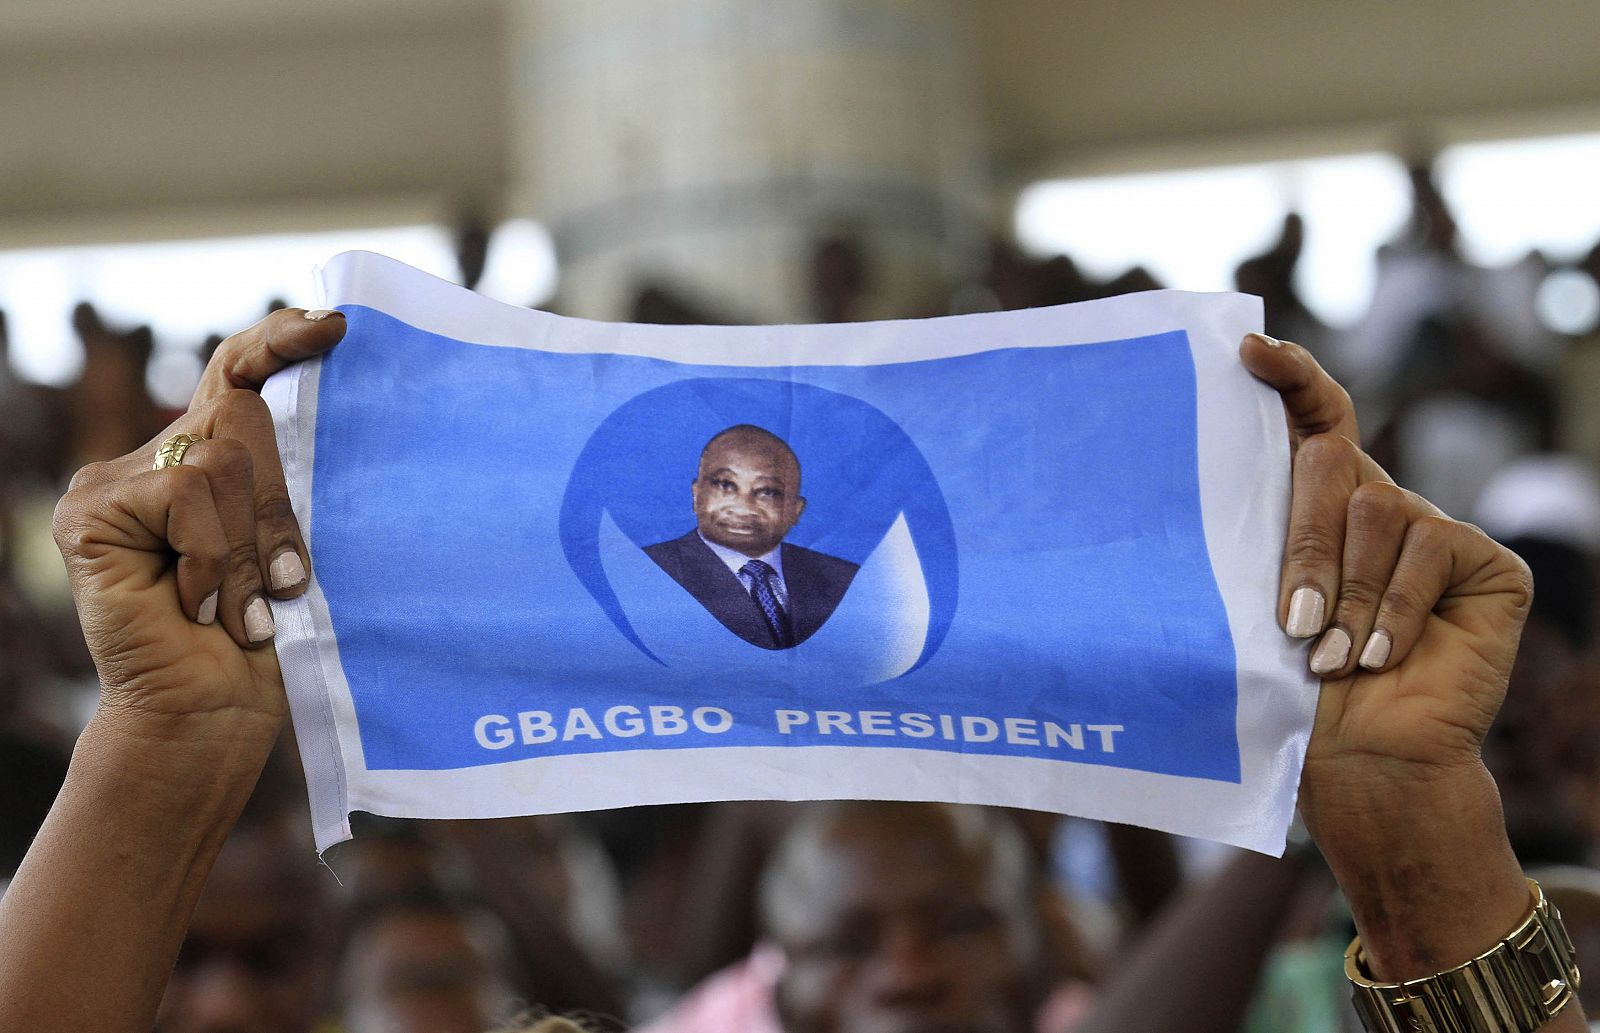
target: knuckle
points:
(1314, 547)
(1318, 449)
(1339, 403)
(94, 473)
(67, 526)
(242, 406)
(1415, 503)
(232, 345)
(1333, 401)
(1376, 503)
(229, 459)
(211, 406)
(273, 507)
(1432, 533)
(278, 321)
(232, 342)
(1321, 454)
(1359, 595)
(240, 559)
(1404, 601)
(240, 402)
(1519, 580)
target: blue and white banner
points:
(1023, 558)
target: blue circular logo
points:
(873, 548)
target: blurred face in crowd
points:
(427, 970)
(747, 492)
(890, 923)
(257, 954)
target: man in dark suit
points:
(746, 498)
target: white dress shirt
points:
(736, 561)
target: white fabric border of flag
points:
(1244, 490)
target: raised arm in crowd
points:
(1411, 620)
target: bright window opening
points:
(1510, 196)
(187, 290)
(1192, 228)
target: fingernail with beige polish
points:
(1306, 611)
(1376, 653)
(286, 571)
(207, 614)
(1270, 342)
(258, 620)
(1332, 651)
(316, 315)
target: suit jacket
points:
(815, 580)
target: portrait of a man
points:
(746, 496)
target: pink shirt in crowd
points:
(742, 999)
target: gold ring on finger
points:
(171, 451)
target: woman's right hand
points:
(170, 569)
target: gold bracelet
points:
(1516, 986)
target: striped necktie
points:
(760, 576)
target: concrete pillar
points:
(710, 143)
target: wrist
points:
(1345, 803)
(207, 760)
(219, 730)
(1424, 861)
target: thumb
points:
(1313, 402)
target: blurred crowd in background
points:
(739, 916)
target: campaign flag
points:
(1022, 558)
